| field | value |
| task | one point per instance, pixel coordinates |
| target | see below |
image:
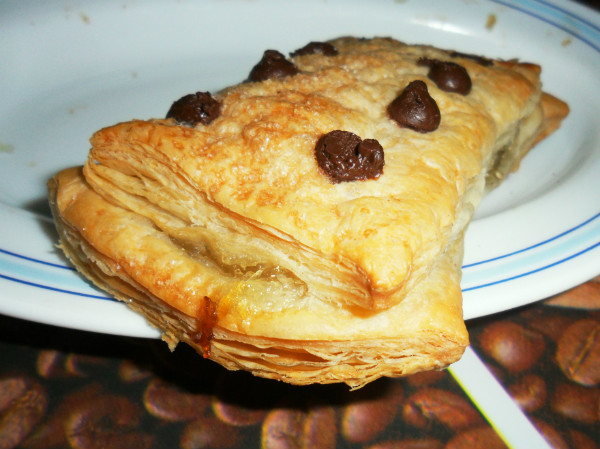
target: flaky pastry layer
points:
(229, 237)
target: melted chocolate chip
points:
(476, 58)
(196, 108)
(343, 156)
(325, 48)
(448, 76)
(415, 109)
(272, 65)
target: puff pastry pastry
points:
(228, 235)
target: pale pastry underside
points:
(230, 238)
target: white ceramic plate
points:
(71, 68)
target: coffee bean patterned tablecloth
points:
(61, 388)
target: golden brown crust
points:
(229, 237)
(235, 170)
(312, 342)
(555, 110)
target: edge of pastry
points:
(307, 225)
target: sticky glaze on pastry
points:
(267, 234)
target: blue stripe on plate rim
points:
(543, 255)
(581, 238)
(559, 17)
(55, 289)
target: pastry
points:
(307, 224)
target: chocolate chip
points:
(272, 65)
(325, 48)
(343, 156)
(415, 109)
(476, 58)
(196, 108)
(448, 76)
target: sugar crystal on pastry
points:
(229, 236)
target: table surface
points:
(62, 388)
